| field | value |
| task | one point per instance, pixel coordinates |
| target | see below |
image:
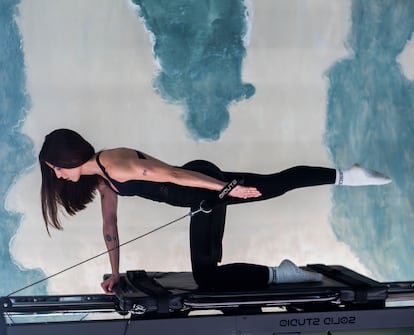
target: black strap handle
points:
(206, 206)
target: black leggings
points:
(206, 230)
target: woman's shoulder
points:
(117, 150)
(117, 153)
(118, 160)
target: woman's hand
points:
(108, 284)
(245, 192)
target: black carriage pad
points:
(361, 289)
(163, 292)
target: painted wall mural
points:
(16, 148)
(200, 49)
(250, 85)
(370, 107)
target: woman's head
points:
(64, 148)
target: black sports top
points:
(170, 193)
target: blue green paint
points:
(371, 120)
(199, 45)
(16, 153)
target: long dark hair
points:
(65, 148)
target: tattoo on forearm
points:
(144, 172)
(110, 238)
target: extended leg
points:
(276, 184)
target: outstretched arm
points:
(196, 179)
(110, 232)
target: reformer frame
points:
(160, 302)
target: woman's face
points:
(67, 174)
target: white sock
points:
(359, 176)
(288, 272)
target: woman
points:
(72, 172)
